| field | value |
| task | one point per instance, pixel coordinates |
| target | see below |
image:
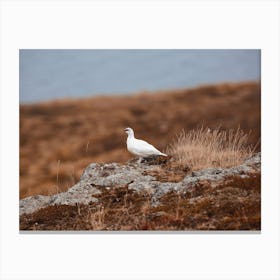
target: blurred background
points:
(50, 74)
(74, 105)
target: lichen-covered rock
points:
(81, 193)
(97, 177)
(33, 203)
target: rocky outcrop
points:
(137, 178)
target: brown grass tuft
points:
(202, 148)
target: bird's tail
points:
(162, 154)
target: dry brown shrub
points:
(202, 148)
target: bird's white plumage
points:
(139, 147)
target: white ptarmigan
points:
(140, 148)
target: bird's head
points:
(129, 131)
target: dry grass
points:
(202, 148)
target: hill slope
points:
(59, 139)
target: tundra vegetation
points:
(207, 182)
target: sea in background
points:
(57, 74)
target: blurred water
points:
(50, 74)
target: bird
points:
(139, 147)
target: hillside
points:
(58, 139)
(151, 196)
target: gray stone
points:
(110, 174)
(99, 176)
(143, 183)
(81, 193)
(33, 203)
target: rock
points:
(99, 177)
(143, 183)
(33, 203)
(81, 193)
(110, 174)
